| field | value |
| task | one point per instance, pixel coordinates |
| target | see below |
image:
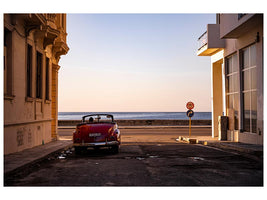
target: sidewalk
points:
(27, 157)
(254, 149)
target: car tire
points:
(78, 150)
(96, 148)
(115, 149)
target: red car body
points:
(97, 133)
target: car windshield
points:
(98, 119)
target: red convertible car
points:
(98, 130)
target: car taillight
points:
(76, 135)
(77, 131)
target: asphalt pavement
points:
(20, 160)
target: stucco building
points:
(235, 45)
(33, 44)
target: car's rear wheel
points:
(115, 149)
(78, 150)
(96, 148)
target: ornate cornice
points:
(51, 17)
(46, 31)
(50, 35)
(44, 27)
(60, 47)
(33, 22)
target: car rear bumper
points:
(108, 143)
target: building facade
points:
(235, 45)
(33, 44)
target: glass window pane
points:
(235, 82)
(234, 63)
(253, 78)
(230, 101)
(246, 80)
(253, 55)
(249, 76)
(229, 65)
(246, 58)
(254, 111)
(246, 114)
(230, 84)
(236, 109)
(227, 84)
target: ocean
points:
(137, 115)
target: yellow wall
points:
(31, 121)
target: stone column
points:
(217, 106)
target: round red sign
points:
(190, 105)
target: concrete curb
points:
(187, 140)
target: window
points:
(5, 69)
(47, 79)
(7, 63)
(39, 63)
(29, 71)
(232, 89)
(249, 89)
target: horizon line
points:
(131, 111)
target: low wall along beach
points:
(143, 122)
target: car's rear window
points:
(99, 119)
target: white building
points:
(235, 44)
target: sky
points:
(134, 63)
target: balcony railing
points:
(202, 40)
(51, 17)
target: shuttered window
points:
(39, 63)
(47, 79)
(29, 71)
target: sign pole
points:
(189, 126)
(190, 113)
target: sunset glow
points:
(134, 62)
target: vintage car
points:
(97, 130)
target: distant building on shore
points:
(235, 44)
(33, 44)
